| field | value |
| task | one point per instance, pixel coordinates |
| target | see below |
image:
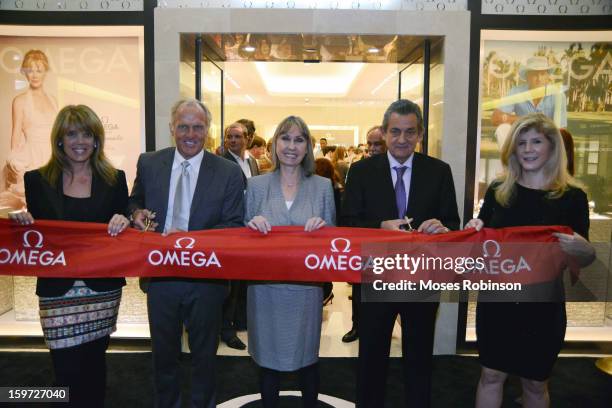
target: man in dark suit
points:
(236, 140)
(186, 188)
(376, 145)
(380, 192)
(234, 308)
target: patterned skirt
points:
(80, 316)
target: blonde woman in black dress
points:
(525, 338)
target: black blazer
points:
(369, 196)
(46, 202)
(252, 165)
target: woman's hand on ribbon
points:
(314, 224)
(117, 225)
(475, 223)
(21, 217)
(259, 223)
(577, 247)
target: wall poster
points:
(565, 75)
(43, 69)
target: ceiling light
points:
(309, 49)
(285, 78)
(373, 50)
(248, 48)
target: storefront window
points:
(566, 76)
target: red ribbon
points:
(85, 250)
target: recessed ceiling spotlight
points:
(373, 50)
(248, 48)
(310, 49)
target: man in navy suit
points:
(380, 192)
(234, 309)
(186, 188)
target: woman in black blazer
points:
(78, 315)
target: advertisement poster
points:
(44, 69)
(570, 82)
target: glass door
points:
(421, 80)
(209, 89)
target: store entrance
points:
(339, 84)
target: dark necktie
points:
(400, 191)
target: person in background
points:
(375, 139)
(234, 308)
(388, 191)
(285, 319)
(325, 168)
(236, 139)
(376, 146)
(340, 164)
(525, 338)
(201, 191)
(250, 129)
(33, 113)
(319, 150)
(259, 152)
(78, 315)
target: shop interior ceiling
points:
(322, 70)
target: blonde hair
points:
(33, 56)
(84, 119)
(308, 162)
(558, 179)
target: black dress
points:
(525, 338)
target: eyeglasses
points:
(194, 128)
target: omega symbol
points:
(190, 243)
(37, 243)
(485, 250)
(347, 247)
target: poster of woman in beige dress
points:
(33, 113)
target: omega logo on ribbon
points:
(182, 256)
(31, 255)
(337, 260)
(494, 264)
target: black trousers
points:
(234, 310)
(82, 368)
(197, 305)
(375, 328)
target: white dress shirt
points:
(194, 170)
(243, 162)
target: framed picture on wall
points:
(43, 69)
(564, 75)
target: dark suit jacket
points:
(369, 196)
(252, 165)
(218, 200)
(46, 202)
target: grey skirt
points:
(284, 325)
